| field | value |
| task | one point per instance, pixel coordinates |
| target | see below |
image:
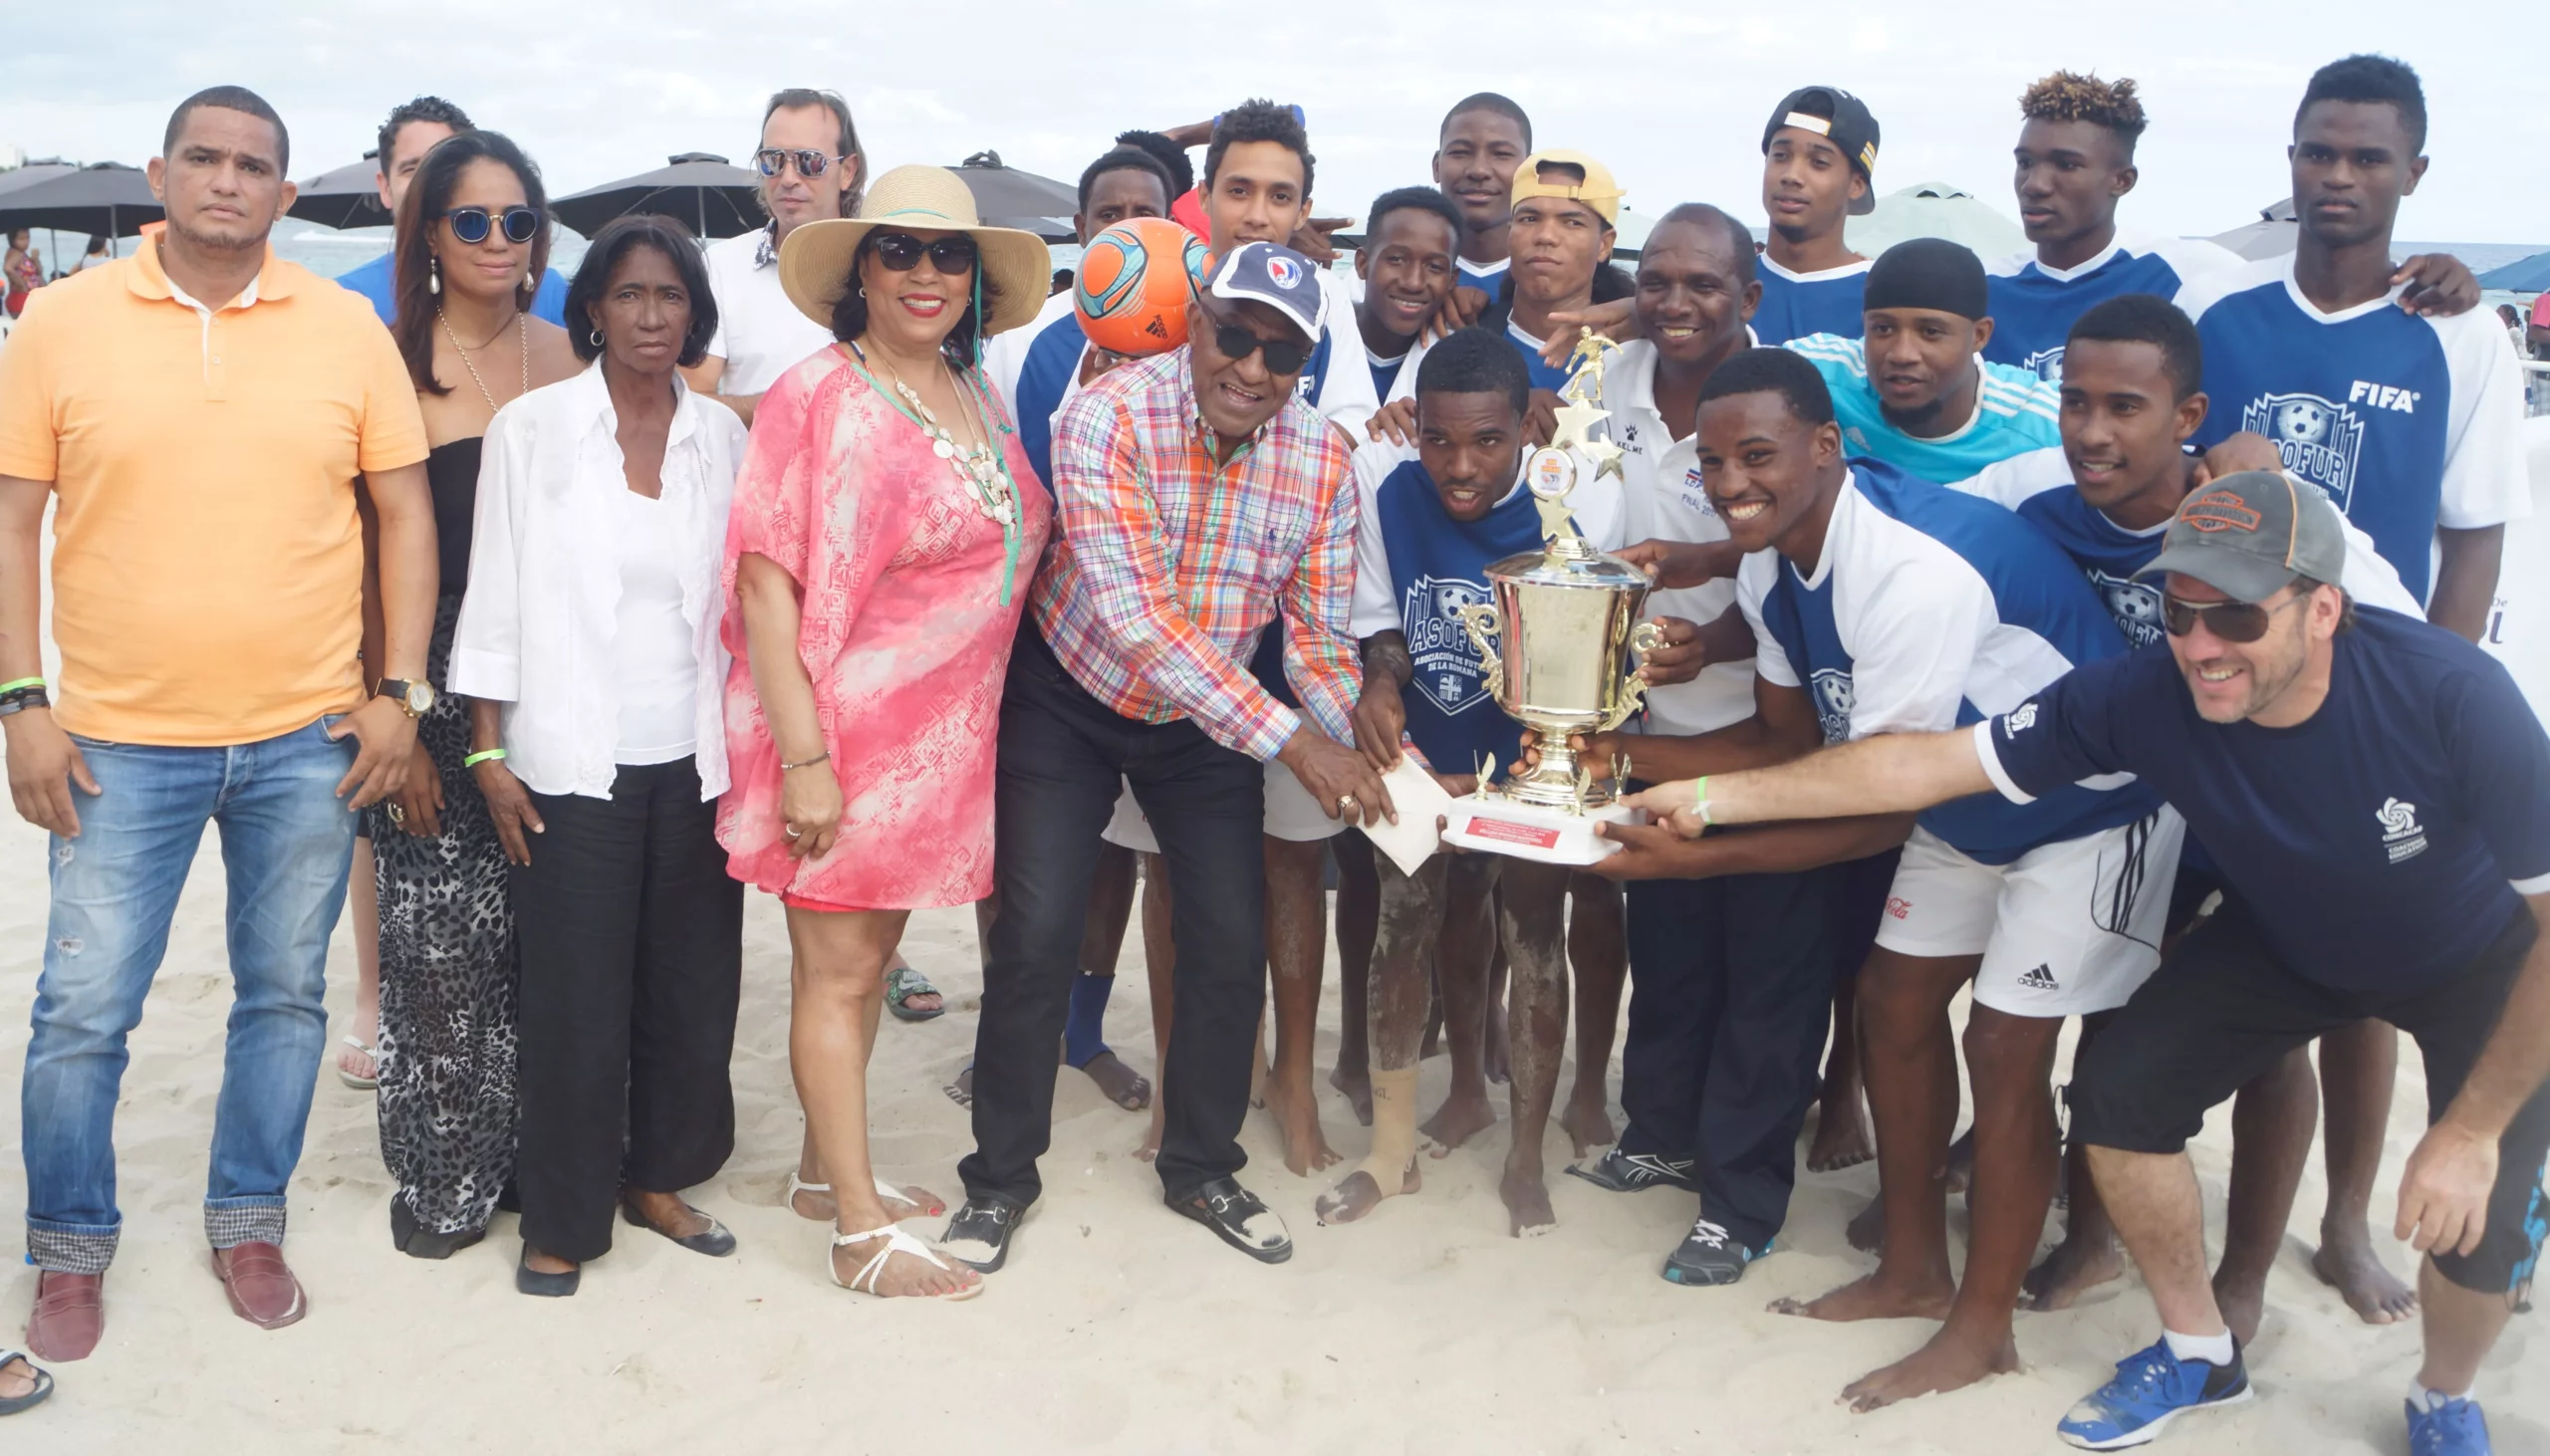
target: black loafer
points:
(1240, 1218)
(1634, 1172)
(979, 1236)
(712, 1241)
(531, 1281)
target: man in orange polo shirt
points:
(200, 410)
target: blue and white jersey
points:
(1338, 380)
(1795, 305)
(1487, 278)
(2407, 422)
(1036, 370)
(1386, 372)
(1415, 567)
(2014, 412)
(1928, 609)
(2035, 307)
(1545, 375)
(2039, 486)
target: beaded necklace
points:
(981, 469)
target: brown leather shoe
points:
(69, 1316)
(262, 1289)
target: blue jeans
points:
(286, 841)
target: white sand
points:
(1117, 1326)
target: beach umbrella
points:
(347, 197)
(700, 189)
(107, 198)
(1935, 210)
(2273, 235)
(1006, 198)
(33, 172)
(2528, 275)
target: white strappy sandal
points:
(884, 1190)
(896, 1241)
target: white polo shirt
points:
(760, 334)
(1662, 500)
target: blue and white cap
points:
(1278, 277)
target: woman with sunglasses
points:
(588, 643)
(471, 246)
(887, 528)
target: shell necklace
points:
(982, 470)
(522, 340)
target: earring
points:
(863, 290)
(531, 282)
(433, 274)
(597, 339)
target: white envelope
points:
(1420, 801)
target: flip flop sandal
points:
(896, 1241)
(11, 1405)
(360, 1084)
(902, 983)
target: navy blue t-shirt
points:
(2382, 844)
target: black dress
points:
(447, 951)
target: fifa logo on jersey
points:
(1447, 667)
(2402, 838)
(2383, 397)
(2045, 364)
(1833, 699)
(2319, 440)
(2136, 605)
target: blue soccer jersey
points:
(1489, 280)
(1929, 608)
(2014, 412)
(1795, 305)
(2407, 422)
(2035, 307)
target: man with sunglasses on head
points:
(415, 127)
(2377, 792)
(1197, 496)
(811, 166)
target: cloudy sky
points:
(1671, 95)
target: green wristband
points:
(21, 682)
(1701, 799)
(482, 756)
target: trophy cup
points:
(1553, 642)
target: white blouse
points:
(538, 627)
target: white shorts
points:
(1291, 814)
(2066, 929)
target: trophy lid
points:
(1592, 570)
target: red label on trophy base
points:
(1509, 832)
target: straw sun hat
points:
(814, 263)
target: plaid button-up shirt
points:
(1166, 566)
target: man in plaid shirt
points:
(1196, 496)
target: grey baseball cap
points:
(2250, 533)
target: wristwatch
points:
(417, 699)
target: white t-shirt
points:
(1662, 500)
(652, 652)
(760, 334)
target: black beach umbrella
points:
(107, 198)
(1008, 198)
(699, 189)
(347, 197)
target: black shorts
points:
(2223, 1009)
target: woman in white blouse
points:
(588, 644)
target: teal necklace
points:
(980, 468)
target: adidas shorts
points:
(2066, 929)
(1290, 815)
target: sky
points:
(1672, 96)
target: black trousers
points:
(633, 952)
(1062, 752)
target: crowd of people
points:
(2088, 632)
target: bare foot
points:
(1588, 1119)
(1259, 1074)
(1867, 1230)
(812, 1206)
(904, 1276)
(1117, 1082)
(2347, 1262)
(2077, 1266)
(1150, 1150)
(1527, 1202)
(1947, 1362)
(1457, 1122)
(1842, 1138)
(16, 1378)
(1962, 1163)
(1358, 1088)
(1499, 1051)
(1359, 1193)
(2243, 1298)
(1295, 1109)
(1926, 1297)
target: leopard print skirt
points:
(447, 984)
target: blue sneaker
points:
(2151, 1387)
(2454, 1428)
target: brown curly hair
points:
(2070, 97)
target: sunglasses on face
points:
(901, 252)
(2232, 621)
(471, 224)
(1283, 357)
(772, 161)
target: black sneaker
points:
(1710, 1255)
(1631, 1172)
(1238, 1216)
(979, 1234)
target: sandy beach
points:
(1116, 1326)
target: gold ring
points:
(397, 814)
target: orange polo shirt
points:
(207, 565)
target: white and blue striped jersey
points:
(1795, 305)
(2035, 307)
(2014, 412)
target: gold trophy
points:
(1554, 643)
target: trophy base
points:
(1496, 825)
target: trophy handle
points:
(1645, 638)
(1479, 620)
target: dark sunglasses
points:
(2232, 621)
(1283, 357)
(901, 252)
(772, 161)
(470, 224)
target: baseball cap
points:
(1597, 192)
(2250, 533)
(1279, 278)
(1840, 117)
